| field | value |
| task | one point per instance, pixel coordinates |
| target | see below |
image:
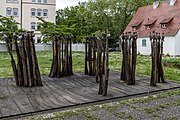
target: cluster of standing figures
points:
(96, 60)
(129, 50)
(157, 73)
(62, 56)
(26, 70)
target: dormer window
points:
(136, 25)
(148, 27)
(165, 22)
(149, 24)
(164, 25)
(134, 28)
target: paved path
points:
(66, 92)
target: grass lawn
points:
(115, 59)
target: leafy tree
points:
(87, 18)
(8, 26)
(73, 17)
(48, 29)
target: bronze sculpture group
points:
(26, 70)
(62, 56)
(157, 73)
(96, 60)
(129, 51)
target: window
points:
(15, 11)
(45, 1)
(8, 1)
(148, 27)
(165, 22)
(45, 12)
(164, 25)
(39, 11)
(144, 43)
(15, 1)
(38, 26)
(33, 12)
(33, 25)
(9, 11)
(134, 28)
(39, 1)
(33, 1)
(38, 39)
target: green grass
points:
(172, 60)
(115, 60)
(5, 66)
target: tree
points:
(94, 15)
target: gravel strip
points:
(102, 114)
(156, 103)
(139, 115)
(170, 112)
(74, 117)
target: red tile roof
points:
(166, 20)
(136, 24)
(150, 22)
(164, 13)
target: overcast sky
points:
(60, 4)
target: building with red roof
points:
(162, 18)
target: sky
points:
(60, 4)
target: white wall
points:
(144, 50)
(43, 47)
(3, 47)
(177, 44)
(75, 47)
(169, 46)
(78, 47)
